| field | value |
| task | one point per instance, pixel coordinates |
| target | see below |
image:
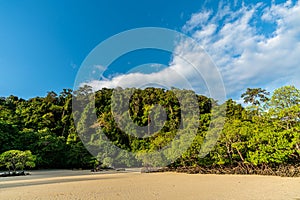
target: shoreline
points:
(136, 185)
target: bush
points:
(16, 159)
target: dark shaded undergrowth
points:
(241, 169)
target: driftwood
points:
(17, 173)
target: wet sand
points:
(135, 185)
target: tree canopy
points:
(45, 127)
(16, 159)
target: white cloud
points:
(246, 56)
(197, 20)
(182, 72)
(190, 68)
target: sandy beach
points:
(135, 185)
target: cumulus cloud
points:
(185, 71)
(245, 52)
(246, 56)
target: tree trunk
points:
(241, 156)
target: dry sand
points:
(135, 185)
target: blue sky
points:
(43, 43)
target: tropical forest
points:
(258, 135)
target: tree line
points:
(264, 132)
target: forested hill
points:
(266, 132)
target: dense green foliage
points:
(265, 132)
(16, 159)
(44, 126)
